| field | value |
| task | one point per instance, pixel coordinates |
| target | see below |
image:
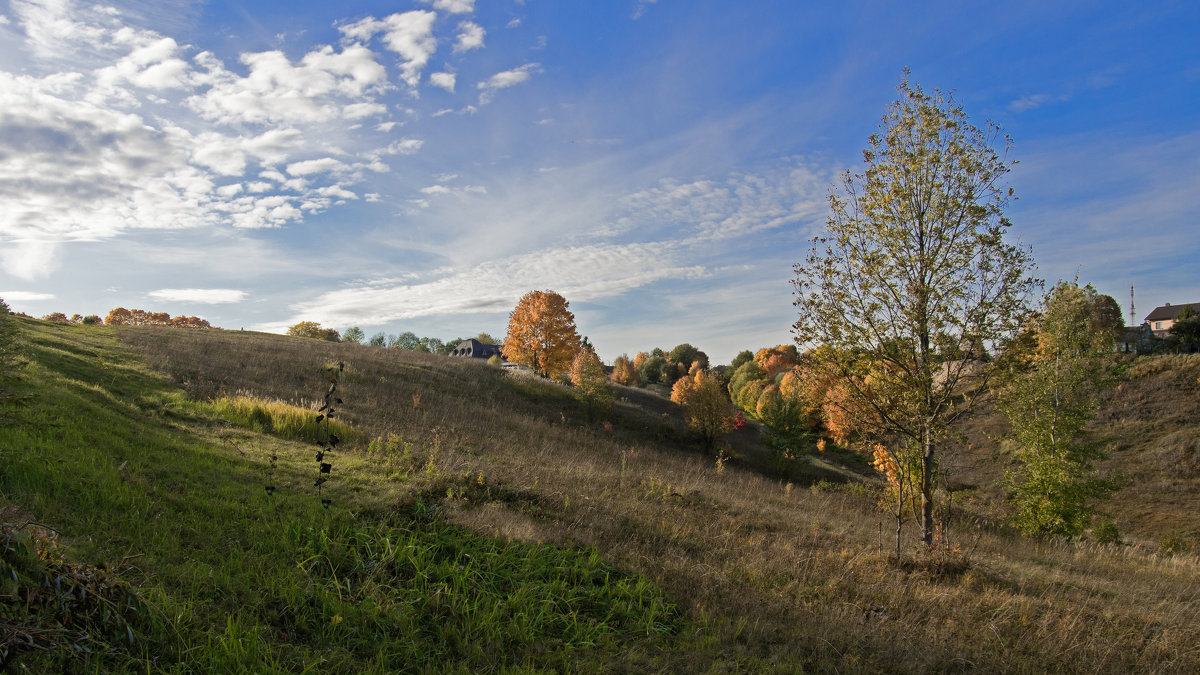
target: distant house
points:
(1162, 318)
(474, 349)
(1135, 340)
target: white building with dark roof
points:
(1162, 318)
(474, 349)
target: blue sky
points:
(420, 164)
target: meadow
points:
(484, 521)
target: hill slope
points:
(584, 548)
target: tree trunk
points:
(927, 483)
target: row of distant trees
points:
(406, 340)
(131, 317)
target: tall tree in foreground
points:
(1054, 487)
(913, 257)
(541, 334)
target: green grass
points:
(131, 472)
(282, 419)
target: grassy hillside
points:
(482, 521)
(1149, 426)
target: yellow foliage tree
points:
(591, 382)
(706, 408)
(624, 371)
(312, 329)
(541, 334)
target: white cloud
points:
(440, 189)
(443, 80)
(207, 296)
(152, 64)
(640, 10)
(514, 23)
(505, 79)
(470, 36)
(318, 89)
(409, 34)
(357, 111)
(453, 6)
(274, 146)
(24, 296)
(26, 259)
(337, 192)
(407, 146)
(261, 212)
(1028, 102)
(465, 110)
(311, 166)
(77, 171)
(56, 28)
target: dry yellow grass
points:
(771, 577)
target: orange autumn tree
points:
(541, 334)
(775, 360)
(140, 317)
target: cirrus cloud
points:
(206, 296)
(496, 285)
(505, 79)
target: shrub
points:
(312, 329)
(1179, 543)
(1106, 532)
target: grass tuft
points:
(281, 419)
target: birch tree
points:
(1054, 486)
(915, 257)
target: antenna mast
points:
(1132, 320)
